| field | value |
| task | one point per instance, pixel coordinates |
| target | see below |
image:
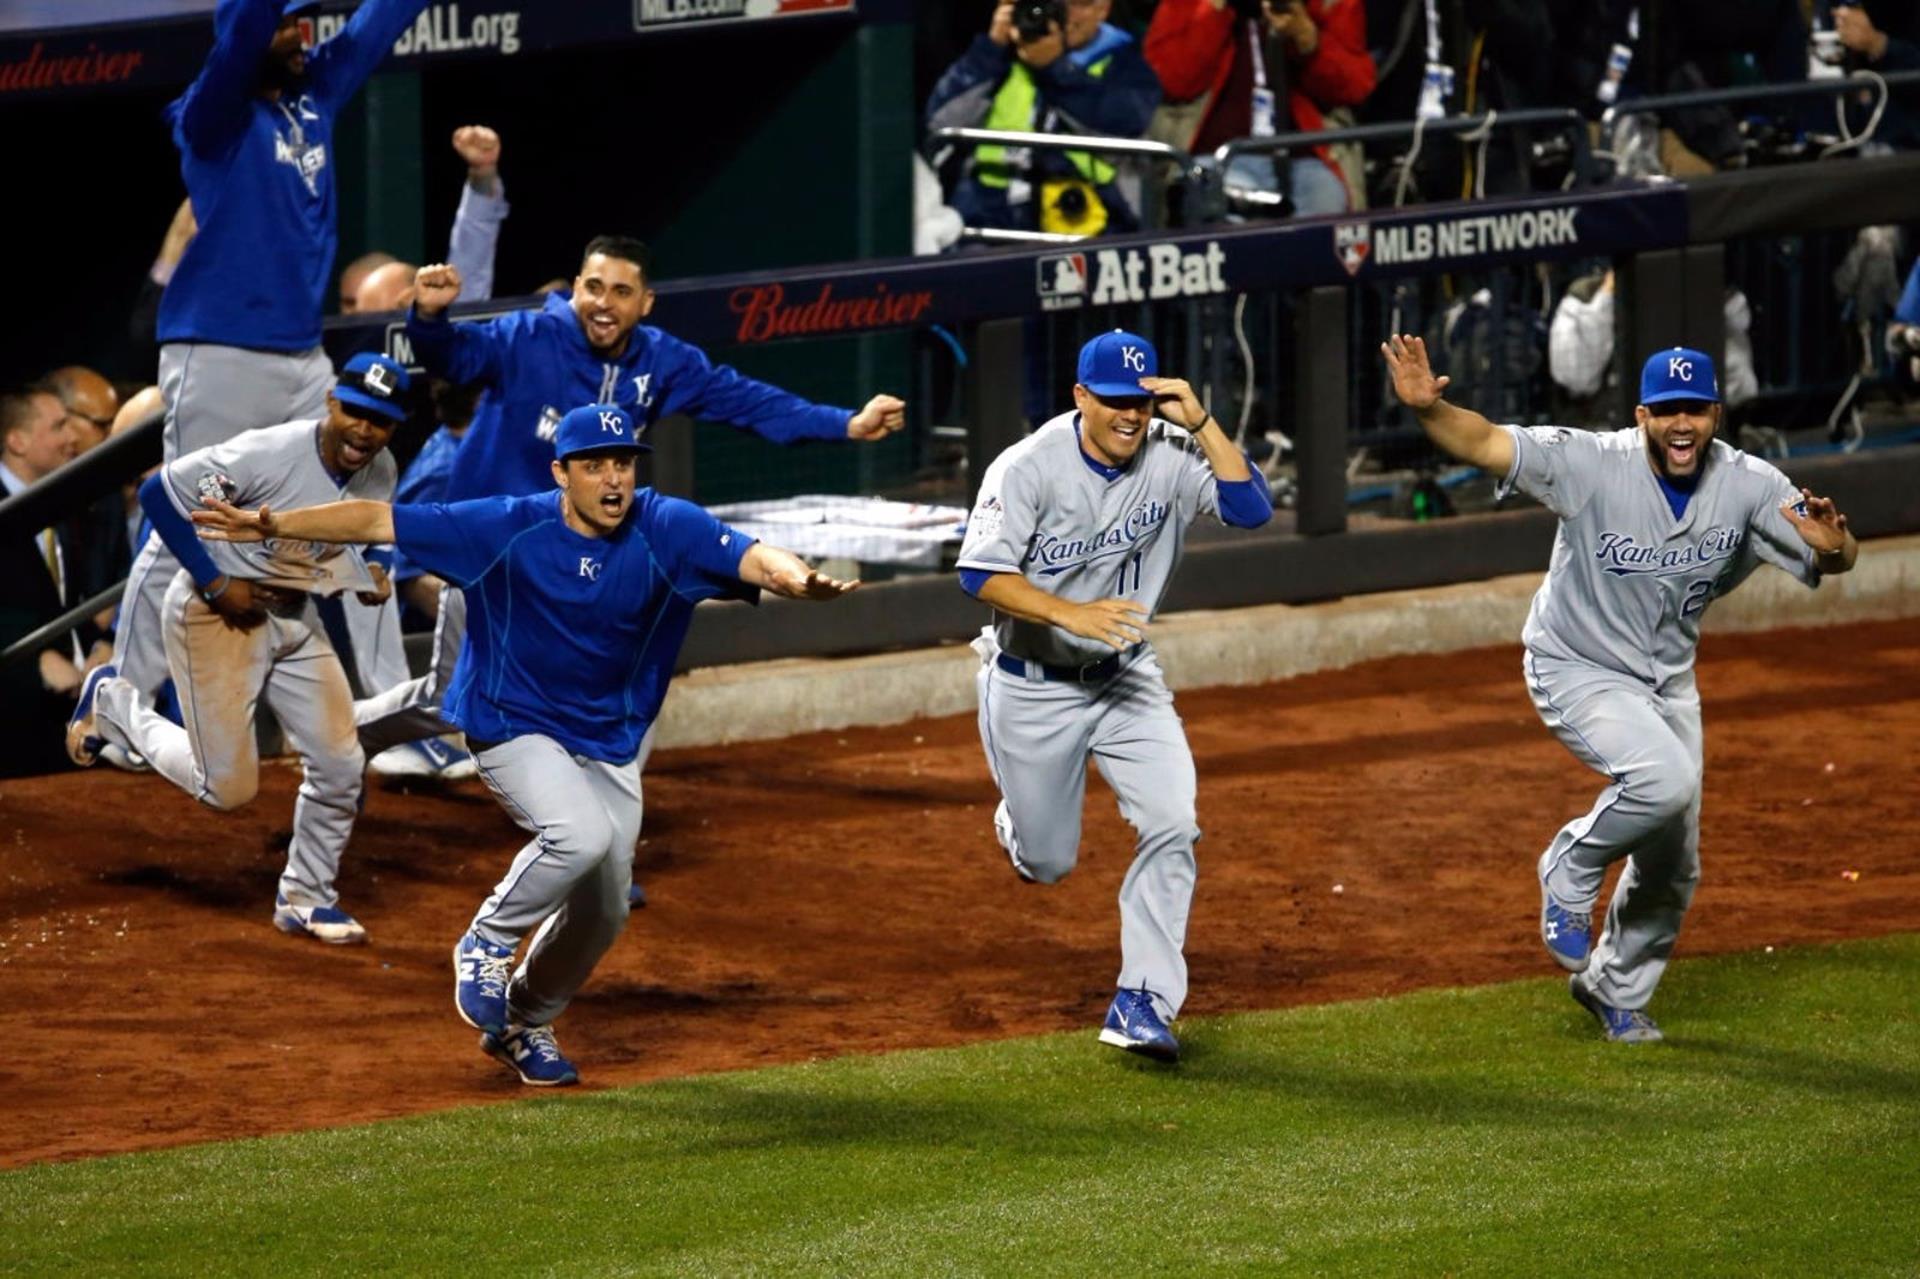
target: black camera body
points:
(1032, 19)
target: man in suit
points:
(35, 440)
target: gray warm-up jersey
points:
(1629, 583)
(280, 467)
(1044, 513)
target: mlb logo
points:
(1062, 281)
(1352, 241)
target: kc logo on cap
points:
(1679, 374)
(1112, 364)
(596, 427)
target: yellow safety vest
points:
(1013, 110)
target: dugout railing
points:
(1330, 285)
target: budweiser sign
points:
(96, 66)
(765, 314)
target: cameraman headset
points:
(1048, 66)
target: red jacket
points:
(1196, 46)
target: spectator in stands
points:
(1079, 74)
(98, 551)
(38, 694)
(1311, 54)
(1883, 36)
(1580, 352)
(1712, 44)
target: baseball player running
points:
(580, 348)
(1656, 522)
(240, 626)
(578, 601)
(1072, 540)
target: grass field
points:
(1484, 1131)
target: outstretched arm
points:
(358, 521)
(1824, 529)
(1460, 432)
(784, 573)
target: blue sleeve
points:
(213, 111)
(475, 237)
(1120, 102)
(458, 541)
(176, 530)
(338, 68)
(964, 94)
(381, 555)
(1908, 312)
(715, 392)
(1245, 503)
(972, 579)
(699, 554)
(458, 352)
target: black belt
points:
(1092, 673)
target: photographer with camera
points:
(1251, 56)
(1046, 66)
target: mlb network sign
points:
(1357, 243)
(1152, 274)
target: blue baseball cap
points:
(374, 385)
(1679, 374)
(1112, 365)
(596, 428)
(294, 8)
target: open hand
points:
(225, 522)
(1117, 623)
(1413, 379)
(814, 586)
(1822, 527)
(883, 415)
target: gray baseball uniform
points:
(1609, 658)
(212, 393)
(221, 672)
(1043, 513)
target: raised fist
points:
(435, 288)
(478, 145)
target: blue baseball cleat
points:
(1623, 1025)
(329, 924)
(1568, 935)
(84, 744)
(1133, 1024)
(531, 1053)
(480, 973)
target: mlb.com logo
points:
(1062, 281)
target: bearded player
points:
(1656, 522)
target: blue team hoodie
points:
(536, 366)
(260, 175)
